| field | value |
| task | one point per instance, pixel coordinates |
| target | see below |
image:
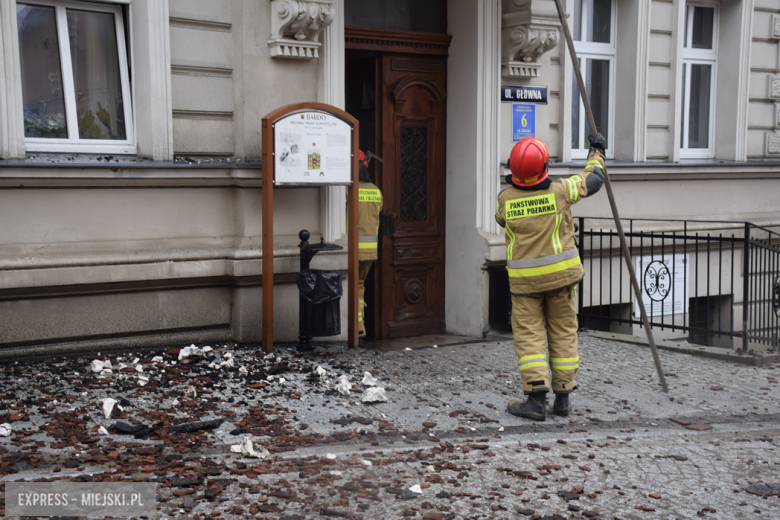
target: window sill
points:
(689, 162)
(60, 146)
(124, 161)
(686, 169)
(75, 171)
(702, 170)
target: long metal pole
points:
(608, 185)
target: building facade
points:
(130, 201)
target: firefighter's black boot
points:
(561, 406)
(534, 408)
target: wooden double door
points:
(411, 258)
(408, 118)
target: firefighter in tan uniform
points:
(544, 270)
(369, 207)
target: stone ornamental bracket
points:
(296, 26)
(529, 28)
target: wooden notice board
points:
(309, 144)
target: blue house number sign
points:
(523, 121)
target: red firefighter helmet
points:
(361, 157)
(529, 162)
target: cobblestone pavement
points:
(619, 455)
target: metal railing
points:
(694, 276)
(762, 318)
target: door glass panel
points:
(414, 173)
(98, 85)
(701, 37)
(699, 116)
(597, 84)
(394, 15)
(599, 20)
(43, 99)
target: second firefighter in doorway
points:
(369, 208)
(544, 270)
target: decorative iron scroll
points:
(658, 280)
(414, 173)
(776, 297)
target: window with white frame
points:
(700, 58)
(75, 77)
(594, 36)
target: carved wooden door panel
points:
(411, 260)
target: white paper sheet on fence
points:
(662, 281)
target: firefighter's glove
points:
(598, 143)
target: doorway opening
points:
(360, 92)
(396, 87)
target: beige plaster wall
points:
(145, 252)
(63, 318)
(660, 85)
(763, 114)
(717, 200)
(223, 78)
(45, 216)
(465, 249)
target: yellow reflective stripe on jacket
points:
(545, 269)
(545, 260)
(570, 185)
(556, 239)
(511, 242)
(565, 363)
(575, 190)
(534, 360)
(369, 195)
(368, 242)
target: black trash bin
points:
(320, 302)
(320, 295)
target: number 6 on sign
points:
(523, 121)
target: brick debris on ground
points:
(628, 451)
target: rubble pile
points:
(154, 416)
(165, 396)
(233, 433)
